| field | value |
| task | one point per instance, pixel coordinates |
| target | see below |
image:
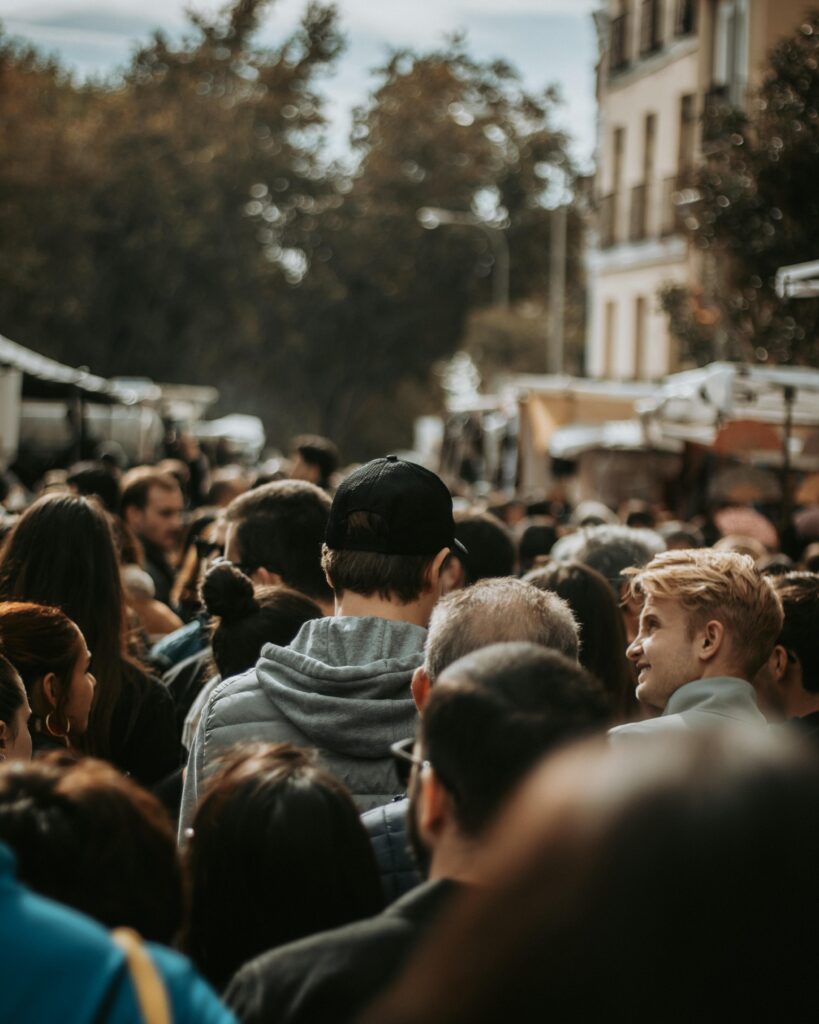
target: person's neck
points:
(153, 549)
(416, 612)
(723, 671)
(454, 857)
(800, 702)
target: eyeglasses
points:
(404, 759)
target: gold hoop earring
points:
(49, 728)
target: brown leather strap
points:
(152, 996)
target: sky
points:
(548, 41)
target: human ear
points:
(51, 689)
(433, 574)
(420, 687)
(434, 804)
(778, 663)
(453, 576)
(712, 636)
(133, 517)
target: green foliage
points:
(691, 322)
(439, 130)
(183, 221)
(509, 341)
(759, 211)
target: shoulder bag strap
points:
(152, 995)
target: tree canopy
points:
(758, 210)
(183, 221)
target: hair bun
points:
(228, 593)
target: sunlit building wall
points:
(662, 62)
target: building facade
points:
(662, 63)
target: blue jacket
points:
(387, 828)
(183, 643)
(58, 965)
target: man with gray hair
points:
(489, 612)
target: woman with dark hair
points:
(243, 619)
(537, 537)
(87, 836)
(602, 633)
(61, 553)
(277, 852)
(51, 655)
(15, 739)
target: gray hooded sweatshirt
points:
(342, 686)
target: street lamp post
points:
(557, 290)
(431, 217)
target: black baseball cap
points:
(413, 505)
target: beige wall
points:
(621, 291)
(656, 84)
(627, 107)
(769, 22)
(616, 290)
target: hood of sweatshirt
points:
(344, 682)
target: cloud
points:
(408, 22)
(397, 22)
(547, 40)
(93, 22)
(105, 11)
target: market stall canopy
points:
(46, 378)
(746, 436)
(244, 434)
(182, 403)
(615, 435)
(548, 403)
(725, 405)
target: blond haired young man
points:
(708, 623)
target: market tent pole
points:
(789, 396)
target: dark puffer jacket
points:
(387, 828)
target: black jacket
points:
(332, 976)
(144, 738)
(157, 567)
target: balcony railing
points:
(685, 18)
(651, 27)
(672, 214)
(638, 213)
(618, 44)
(607, 220)
(657, 209)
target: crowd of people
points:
(322, 744)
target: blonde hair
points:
(719, 585)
